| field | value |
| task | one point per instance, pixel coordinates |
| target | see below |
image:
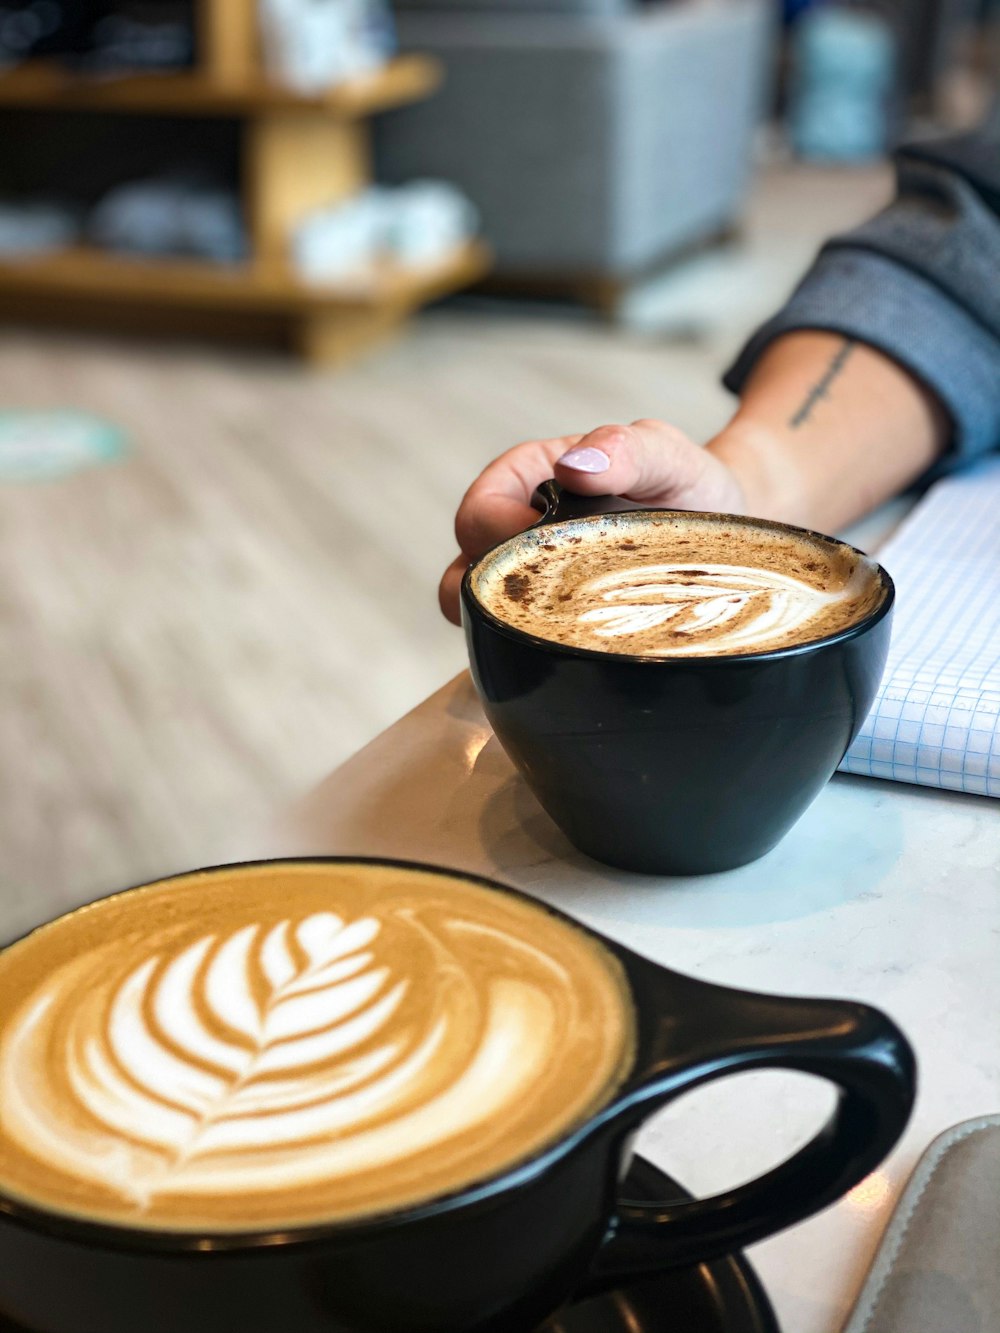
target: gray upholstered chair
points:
(596, 136)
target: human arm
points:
(827, 429)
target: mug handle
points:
(557, 505)
(855, 1047)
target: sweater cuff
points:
(874, 300)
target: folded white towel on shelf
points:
(32, 227)
(936, 719)
(312, 45)
(414, 225)
(342, 241)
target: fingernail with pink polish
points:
(586, 460)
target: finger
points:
(649, 461)
(487, 518)
(448, 591)
(498, 503)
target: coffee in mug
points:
(676, 585)
(675, 688)
(304, 1042)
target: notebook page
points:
(936, 719)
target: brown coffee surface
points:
(676, 585)
(273, 1046)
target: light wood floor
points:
(193, 635)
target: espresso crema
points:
(272, 1046)
(676, 586)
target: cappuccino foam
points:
(269, 1046)
(676, 585)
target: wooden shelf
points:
(297, 154)
(40, 85)
(86, 273)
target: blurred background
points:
(278, 277)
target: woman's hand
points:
(650, 462)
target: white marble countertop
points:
(883, 892)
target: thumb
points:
(649, 461)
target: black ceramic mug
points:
(681, 765)
(504, 1254)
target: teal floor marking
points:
(43, 446)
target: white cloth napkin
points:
(936, 719)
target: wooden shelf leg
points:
(332, 338)
(228, 40)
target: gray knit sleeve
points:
(920, 282)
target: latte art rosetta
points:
(318, 1054)
(189, 1062)
(726, 607)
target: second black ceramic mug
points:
(504, 1253)
(681, 765)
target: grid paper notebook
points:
(936, 719)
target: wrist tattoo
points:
(821, 389)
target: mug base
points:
(724, 1296)
(670, 864)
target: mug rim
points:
(117, 1236)
(702, 660)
